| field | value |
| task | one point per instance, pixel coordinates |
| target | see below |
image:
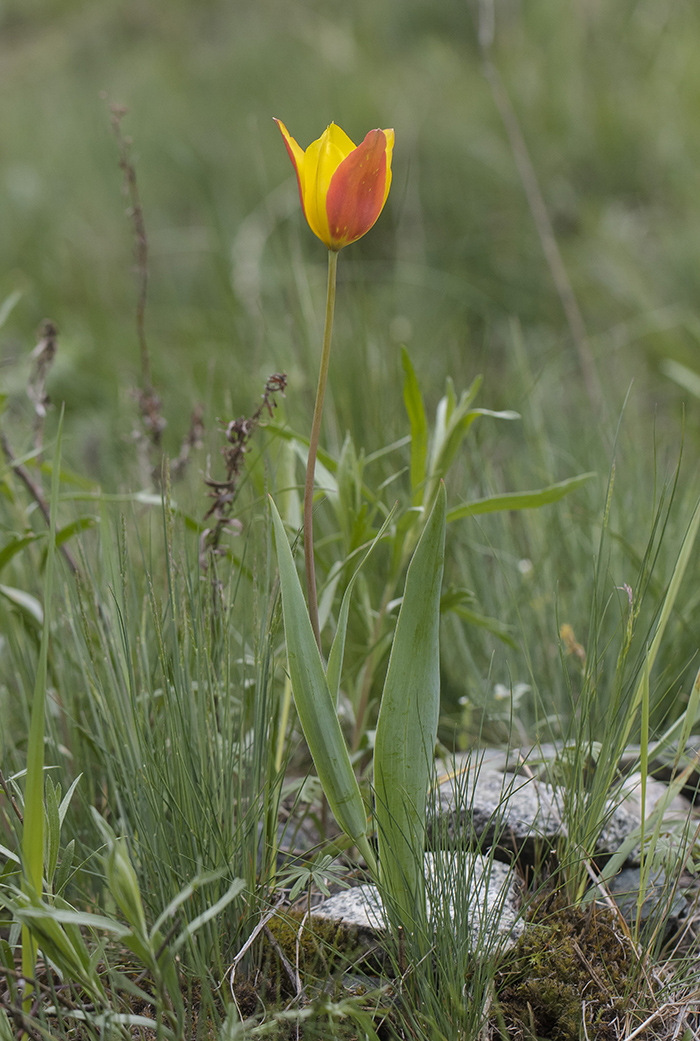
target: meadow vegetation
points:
(525, 310)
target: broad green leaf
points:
(64, 868)
(452, 422)
(52, 826)
(69, 530)
(65, 801)
(14, 546)
(491, 625)
(120, 876)
(686, 378)
(8, 305)
(300, 444)
(56, 931)
(413, 400)
(315, 706)
(6, 1031)
(324, 480)
(407, 725)
(29, 604)
(70, 477)
(455, 433)
(520, 500)
(5, 852)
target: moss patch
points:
(569, 962)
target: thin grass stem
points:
(313, 448)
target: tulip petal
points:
(296, 154)
(342, 188)
(358, 189)
(389, 134)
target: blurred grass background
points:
(607, 98)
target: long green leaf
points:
(14, 546)
(29, 605)
(8, 304)
(520, 500)
(407, 726)
(315, 706)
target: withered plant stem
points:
(42, 359)
(238, 433)
(36, 494)
(313, 448)
(10, 797)
(538, 207)
(141, 241)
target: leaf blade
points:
(408, 719)
(520, 500)
(315, 706)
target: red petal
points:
(356, 194)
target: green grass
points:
(165, 684)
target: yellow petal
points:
(316, 168)
(389, 134)
(321, 160)
(296, 154)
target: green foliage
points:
(404, 748)
(163, 686)
(315, 705)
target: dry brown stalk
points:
(36, 493)
(537, 205)
(238, 433)
(42, 359)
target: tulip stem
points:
(313, 449)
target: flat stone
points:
(491, 900)
(517, 814)
(659, 899)
(484, 799)
(677, 811)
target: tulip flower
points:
(342, 187)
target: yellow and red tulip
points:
(342, 187)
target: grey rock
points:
(490, 799)
(678, 807)
(515, 813)
(660, 902)
(483, 896)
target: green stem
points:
(313, 449)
